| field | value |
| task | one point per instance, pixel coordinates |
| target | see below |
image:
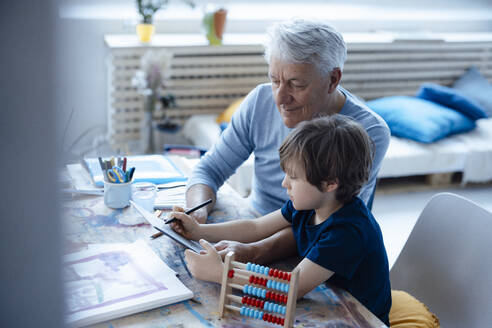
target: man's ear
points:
(329, 186)
(335, 77)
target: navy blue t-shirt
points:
(350, 244)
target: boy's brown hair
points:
(333, 148)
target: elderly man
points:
(305, 68)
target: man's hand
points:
(185, 225)
(200, 215)
(243, 252)
(207, 265)
(197, 194)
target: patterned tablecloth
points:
(88, 221)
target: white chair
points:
(447, 262)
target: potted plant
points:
(214, 23)
(146, 10)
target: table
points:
(87, 221)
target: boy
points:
(326, 161)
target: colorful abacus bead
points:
(276, 297)
(248, 312)
(251, 290)
(257, 280)
(278, 286)
(278, 274)
(257, 268)
(273, 319)
(256, 302)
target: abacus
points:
(273, 301)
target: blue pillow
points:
(451, 98)
(419, 119)
(473, 85)
(223, 126)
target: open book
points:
(113, 281)
(167, 197)
(150, 168)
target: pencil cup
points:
(144, 194)
(117, 195)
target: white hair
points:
(302, 41)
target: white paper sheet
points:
(104, 283)
(167, 198)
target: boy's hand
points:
(207, 265)
(242, 252)
(185, 225)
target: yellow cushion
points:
(227, 114)
(407, 311)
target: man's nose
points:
(283, 94)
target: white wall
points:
(30, 238)
(83, 24)
(82, 77)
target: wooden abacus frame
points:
(272, 279)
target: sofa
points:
(378, 66)
(469, 153)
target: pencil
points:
(103, 167)
(191, 210)
(158, 233)
(130, 175)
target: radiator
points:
(206, 79)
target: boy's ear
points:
(329, 186)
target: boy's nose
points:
(284, 183)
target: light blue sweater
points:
(258, 127)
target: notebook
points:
(151, 168)
(112, 281)
(168, 197)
